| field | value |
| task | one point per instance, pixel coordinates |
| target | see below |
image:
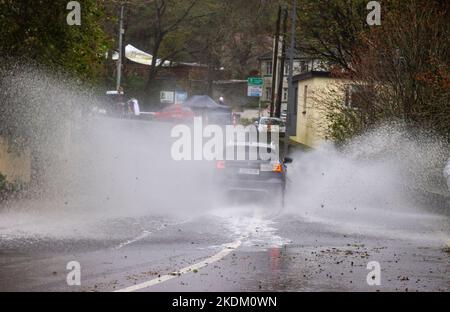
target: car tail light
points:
(277, 168)
(220, 164)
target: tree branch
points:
(179, 20)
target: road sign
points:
(254, 86)
(254, 91)
(180, 97)
(255, 81)
(167, 97)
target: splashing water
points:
(91, 170)
(373, 185)
(96, 170)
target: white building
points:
(302, 64)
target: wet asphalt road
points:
(277, 253)
(129, 217)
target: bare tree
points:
(405, 64)
(161, 30)
(159, 25)
(398, 70)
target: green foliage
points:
(344, 124)
(7, 188)
(38, 31)
(2, 181)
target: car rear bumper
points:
(252, 186)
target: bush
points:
(3, 182)
(247, 121)
(344, 124)
(7, 189)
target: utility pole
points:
(291, 93)
(275, 62)
(119, 61)
(282, 62)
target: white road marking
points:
(220, 255)
(229, 248)
(143, 235)
(146, 233)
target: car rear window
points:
(251, 152)
(275, 122)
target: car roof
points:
(274, 118)
(252, 144)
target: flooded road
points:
(275, 253)
(135, 220)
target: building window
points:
(305, 96)
(285, 94)
(269, 68)
(296, 67)
(295, 100)
(303, 66)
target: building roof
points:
(135, 55)
(311, 74)
(230, 81)
(203, 102)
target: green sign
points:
(255, 81)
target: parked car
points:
(265, 179)
(271, 124)
(174, 113)
(283, 115)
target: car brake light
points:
(220, 164)
(277, 168)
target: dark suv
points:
(257, 176)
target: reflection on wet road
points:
(283, 252)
